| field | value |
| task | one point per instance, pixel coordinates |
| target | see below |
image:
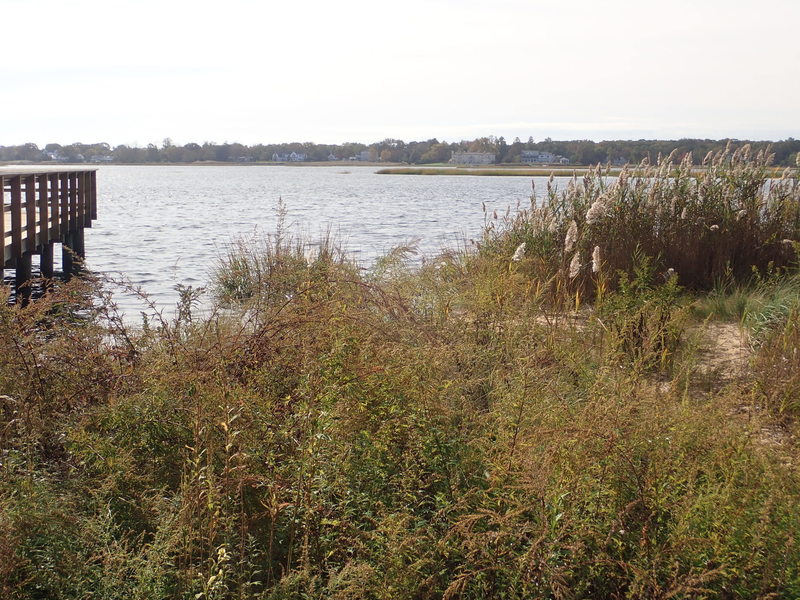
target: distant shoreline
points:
(383, 167)
(510, 170)
(203, 163)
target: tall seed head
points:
(575, 265)
(596, 259)
(572, 237)
(519, 253)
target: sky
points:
(259, 71)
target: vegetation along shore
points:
(486, 150)
(510, 171)
(598, 399)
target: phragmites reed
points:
(571, 238)
(596, 260)
(728, 218)
(519, 253)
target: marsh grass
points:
(726, 220)
(475, 427)
(506, 171)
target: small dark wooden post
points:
(46, 260)
(78, 243)
(23, 279)
(67, 257)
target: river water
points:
(159, 226)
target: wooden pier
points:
(42, 208)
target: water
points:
(161, 226)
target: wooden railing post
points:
(30, 214)
(80, 178)
(16, 217)
(93, 192)
(73, 202)
(55, 224)
(64, 208)
(44, 210)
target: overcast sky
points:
(250, 71)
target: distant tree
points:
(152, 155)
(514, 151)
(588, 153)
(30, 152)
(437, 153)
(502, 149)
(222, 152)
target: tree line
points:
(579, 152)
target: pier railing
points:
(45, 207)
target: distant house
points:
(101, 158)
(59, 157)
(332, 156)
(292, 157)
(473, 158)
(535, 156)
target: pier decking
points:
(41, 208)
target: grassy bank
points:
(481, 171)
(504, 421)
(524, 171)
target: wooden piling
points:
(23, 279)
(67, 258)
(46, 261)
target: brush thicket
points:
(456, 430)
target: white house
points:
(536, 156)
(293, 157)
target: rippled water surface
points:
(160, 226)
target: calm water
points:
(160, 226)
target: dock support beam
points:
(46, 261)
(78, 244)
(67, 258)
(23, 279)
